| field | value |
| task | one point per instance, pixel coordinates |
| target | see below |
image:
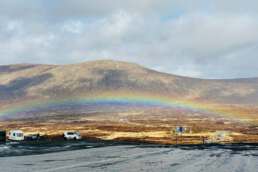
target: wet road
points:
(132, 158)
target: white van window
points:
(19, 134)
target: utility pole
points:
(176, 138)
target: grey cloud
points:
(170, 36)
(66, 9)
(61, 10)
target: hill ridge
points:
(19, 82)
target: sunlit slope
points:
(44, 86)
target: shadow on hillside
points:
(8, 69)
(17, 88)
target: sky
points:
(195, 38)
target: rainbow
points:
(114, 98)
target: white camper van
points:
(16, 135)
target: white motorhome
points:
(16, 135)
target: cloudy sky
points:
(198, 38)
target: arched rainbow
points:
(115, 98)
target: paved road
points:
(133, 158)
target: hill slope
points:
(19, 82)
(118, 100)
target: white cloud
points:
(73, 27)
(171, 36)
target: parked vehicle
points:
(16, 135)
(72, 135)
(32, 137)
(2, 136)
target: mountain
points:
(118, 100)
(19, 82)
